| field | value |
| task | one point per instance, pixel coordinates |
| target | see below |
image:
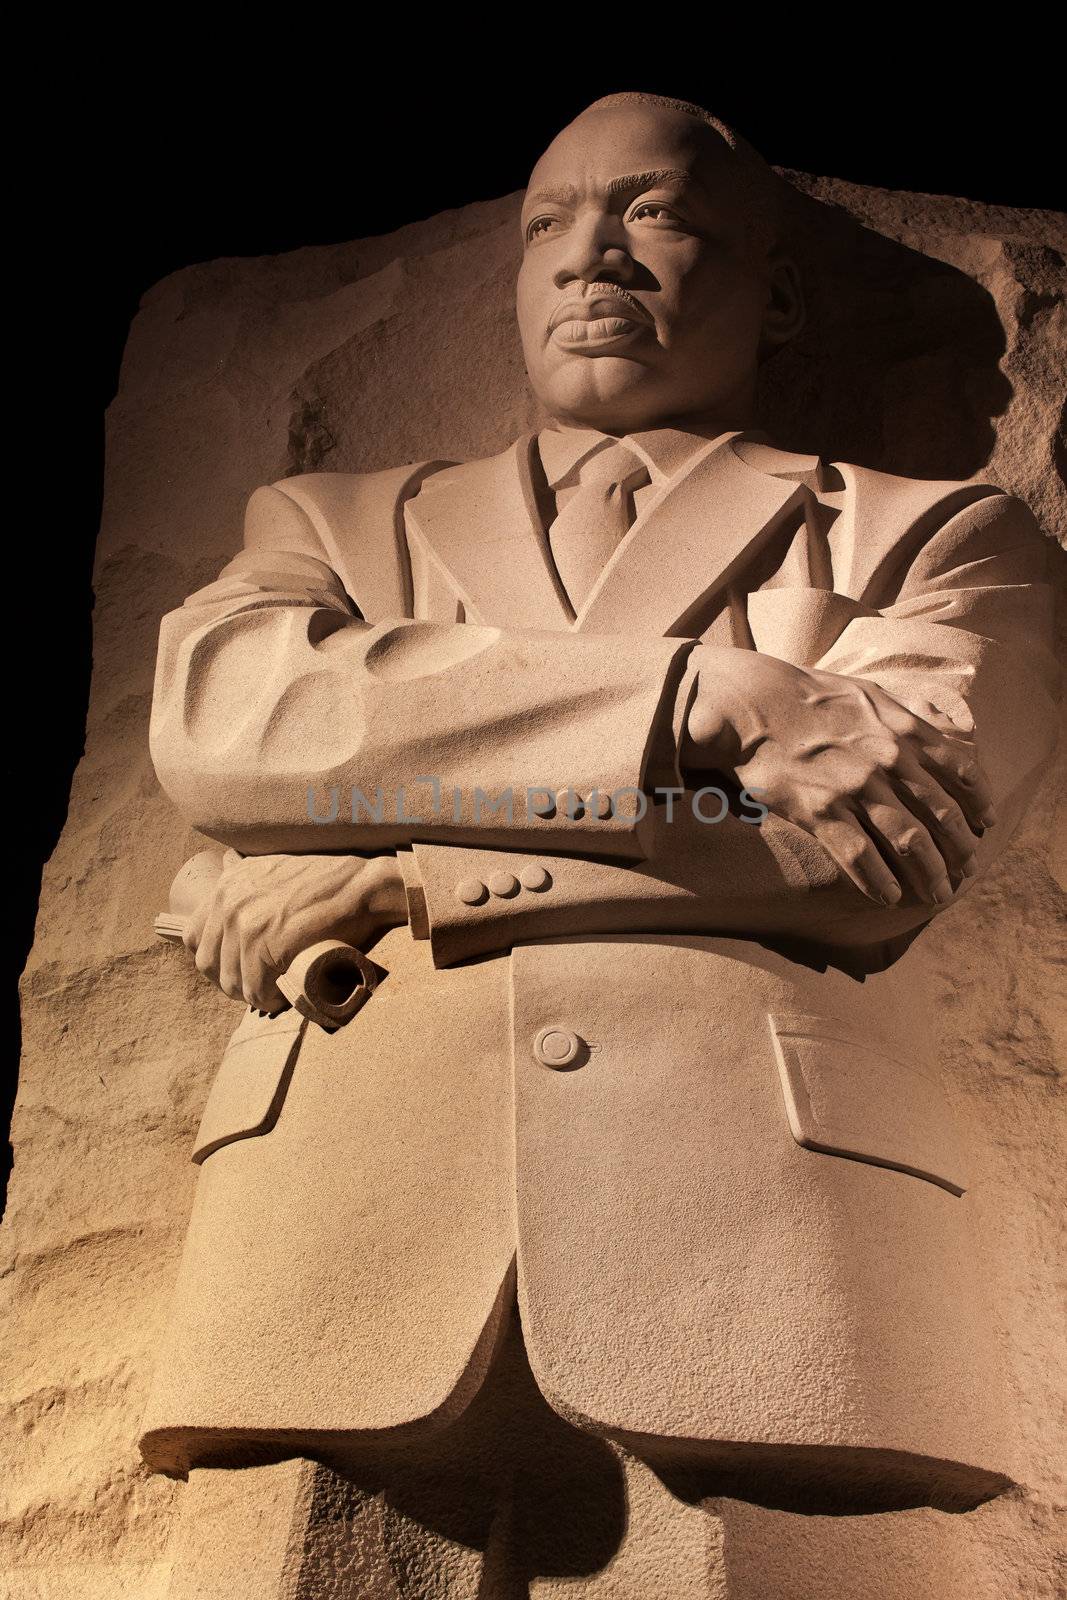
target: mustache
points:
(598, 299)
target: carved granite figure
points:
(639, 755)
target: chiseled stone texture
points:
(936, 348)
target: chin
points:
(605, 392)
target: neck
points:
(737, 414)
(706, 425)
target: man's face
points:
(639, 297)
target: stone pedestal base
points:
(301, 1531)
(512, 1503)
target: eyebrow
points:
(647, 180)
(566, 194)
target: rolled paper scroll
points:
(192, 883)
(329, 982)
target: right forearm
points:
(282, 723)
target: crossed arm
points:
(269, 684)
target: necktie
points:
(597, 516)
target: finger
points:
(259, 973)
(360, 927)
(229, 978)
(208, 947)
(955, 767)
(911, 852)
(939, 814)
(845, 838)
(261, 991)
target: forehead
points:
(604, 144)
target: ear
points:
(784, 314)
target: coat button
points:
(471, 891)
(535, 878)
(569, 804)
(504, 884)
(556, 1047)
(599, 804)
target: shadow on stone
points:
(510, 1479)
(897, 368)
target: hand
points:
(897, 800)
(264, 910)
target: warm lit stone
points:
(935, 350)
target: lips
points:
(601, 319)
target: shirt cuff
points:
(415, 894)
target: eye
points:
(539, 227)
(654, 211)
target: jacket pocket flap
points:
(249, 1088)
(848, 1096)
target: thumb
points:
(957, 721)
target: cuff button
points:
(535, 878)
(471, 891)
(504, 884)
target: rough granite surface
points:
(936, 347)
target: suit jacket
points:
(738, 1216)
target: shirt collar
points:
(664, 451)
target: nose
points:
(595, 252)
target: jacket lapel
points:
(481, 524)
(690, 543)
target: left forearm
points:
(768, 881)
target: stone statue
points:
(639, 756)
